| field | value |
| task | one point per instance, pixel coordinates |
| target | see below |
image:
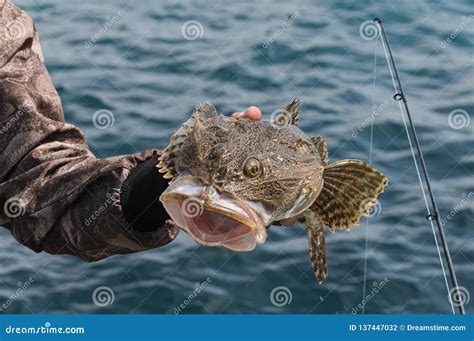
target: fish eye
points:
(252, 167)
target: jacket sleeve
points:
(55, 196)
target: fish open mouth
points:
(213, 218)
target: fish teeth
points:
(168, 175)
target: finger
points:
(238, 114)
(251, 113)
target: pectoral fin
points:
(350, 189)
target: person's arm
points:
(55, 196)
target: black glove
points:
(139, 197)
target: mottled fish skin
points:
(220, 150)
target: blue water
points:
(149, 76)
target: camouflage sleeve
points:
(55, 196)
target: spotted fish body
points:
(244, 175)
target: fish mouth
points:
(213, 218)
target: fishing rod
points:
(433, 214)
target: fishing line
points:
(370, 163)
(433, 213)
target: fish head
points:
(232, 178)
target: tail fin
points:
(350, 189)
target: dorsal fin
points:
(201, 113)
(205, 110)
(322, 147)
(289, 115)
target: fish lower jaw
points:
(242, 243)
(229, 224)
(229, 244)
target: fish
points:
(230, 179)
